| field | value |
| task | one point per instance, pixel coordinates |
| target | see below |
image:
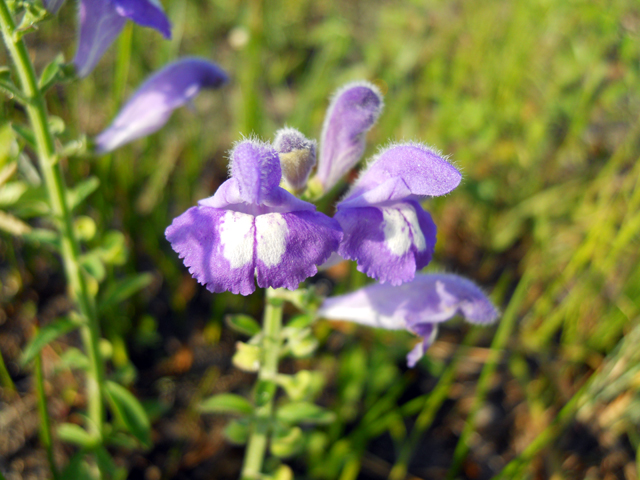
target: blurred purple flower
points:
(418, 306)
(354, 109)
(385, 229)
(102, 20)
(152, 104)
(251, 226)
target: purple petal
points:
(154, 101)
(417, 306)
(278, 201)
(403, 170)
(389, 243)
(353, 111)
(147, 13)
(52, 5)
(290, 245)
(256, 167)
(217, 246)
(428, 334)
(100, 24)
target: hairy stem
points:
(56, 189)
(265, 389)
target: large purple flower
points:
(154, 101)
(102, 20)
(251, 226)
(385, 229)
(418, 306)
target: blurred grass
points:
(536, 102)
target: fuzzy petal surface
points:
(290, 245)
(389, 243)
(401, 171)
(256, 168)
(353, 111)
(217, 246)
(148, 13)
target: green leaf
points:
(79, 469)
(93, 265)
(13, 225)
(72, 433)
(243, 324)
(121, 290)
(237, 431)
(51, 74)
(41, 235)
(10, 88)
(226, 403)
(73, 358)
(26, 134)
(286, 442)
(113, 250)
(11, 192)
(304, 412)
(129, 411)
(45, 335)
(81, 191)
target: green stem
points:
(5, 378)
(265, 388)
(45, 421)
(55, 185)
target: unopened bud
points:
(297, 156)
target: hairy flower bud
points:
(297, 156)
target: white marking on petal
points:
(271, 234)
(401, 229)
(237, 238)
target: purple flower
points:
(354, 109)
(418, 306)
(102, 20)
(385, 229)
(152, 104)
(250, 227)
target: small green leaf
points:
(247, 357)
(81, 191)
(226, 403)
(45, 335)
(26, 134)
(129, 411)
(287, 441)
(93, 265)
(123, 289)
(51, 74)
(79, 469)
(72, 433)
(11, 192)
(243, 324)
(13, 225)
(41, 235)
(113, 250)
(301, 321)
(73, 358)
(237, 431)
(304, 412)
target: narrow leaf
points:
(226, 403)
(123, 289)
(72, 433)
(81, 191)
(11, 192)
(50, 74)
(303, 412)
(45, 335)
(13, 225)
(25, 134)
(243, 324)
(129, 411)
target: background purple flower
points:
(416, 306)
(153, 103)
(102, 20)
(53, 5)
(252, 227)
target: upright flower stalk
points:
(265, 389)
(61, 213)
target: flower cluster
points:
(252, 226)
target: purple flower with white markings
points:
(101, 21)
(252, 227)
(417, 306)
(385, 229)
(154, 101)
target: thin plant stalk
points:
(56, 189)
(5, 378)
(45, 420)
(265, 389)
